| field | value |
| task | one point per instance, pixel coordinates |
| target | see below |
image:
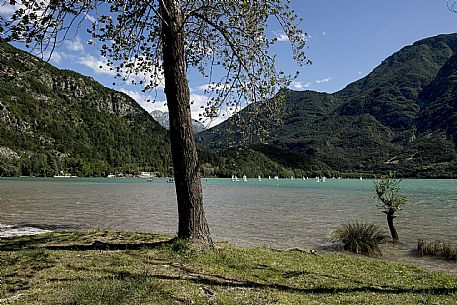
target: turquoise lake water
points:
(275, 213)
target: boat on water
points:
(65, 176)
(245, 178)
(145, 175)
(171, 180)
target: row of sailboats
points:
(317, 179)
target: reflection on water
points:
(279, 214)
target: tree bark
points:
(393, 231)
(192, 222)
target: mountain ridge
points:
(54, 121)
(401, 117)
(373, 125)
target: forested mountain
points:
(401, 117)
(54, 121)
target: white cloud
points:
(142, 100)
(325, 80)
(56, 57)
(324, 33)
(155, 76)
(74, 45)
(8, 10)
(360, 73)
(197, 101)
(299, 85)
(91, 18)
(97, 65)
(213, 86)
(282, 37)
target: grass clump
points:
(180, 245)
(361, 238)
(437, 248)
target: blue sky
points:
(348, 39)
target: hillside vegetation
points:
(54, 121)
(401, 117)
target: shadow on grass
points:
(319, 290)
(34, 243)
(24, 242)
(98, 245)
(51, 227)
(77, 241)
(218, 280)
(225, 282)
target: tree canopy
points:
(232, 35)
(390, 200)
(154, 42)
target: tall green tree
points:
(390, 200)
(154, 42)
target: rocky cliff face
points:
(63, 116)
(19, 67)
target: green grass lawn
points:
(137, 268)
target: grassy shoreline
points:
(141, 268)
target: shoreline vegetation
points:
(106, 267)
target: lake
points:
(274, 213)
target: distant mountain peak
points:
(162, 118)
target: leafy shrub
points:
(360, 237)
(437, 248)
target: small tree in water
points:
(390, 200)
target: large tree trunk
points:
(393, 231)
(192, 221)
